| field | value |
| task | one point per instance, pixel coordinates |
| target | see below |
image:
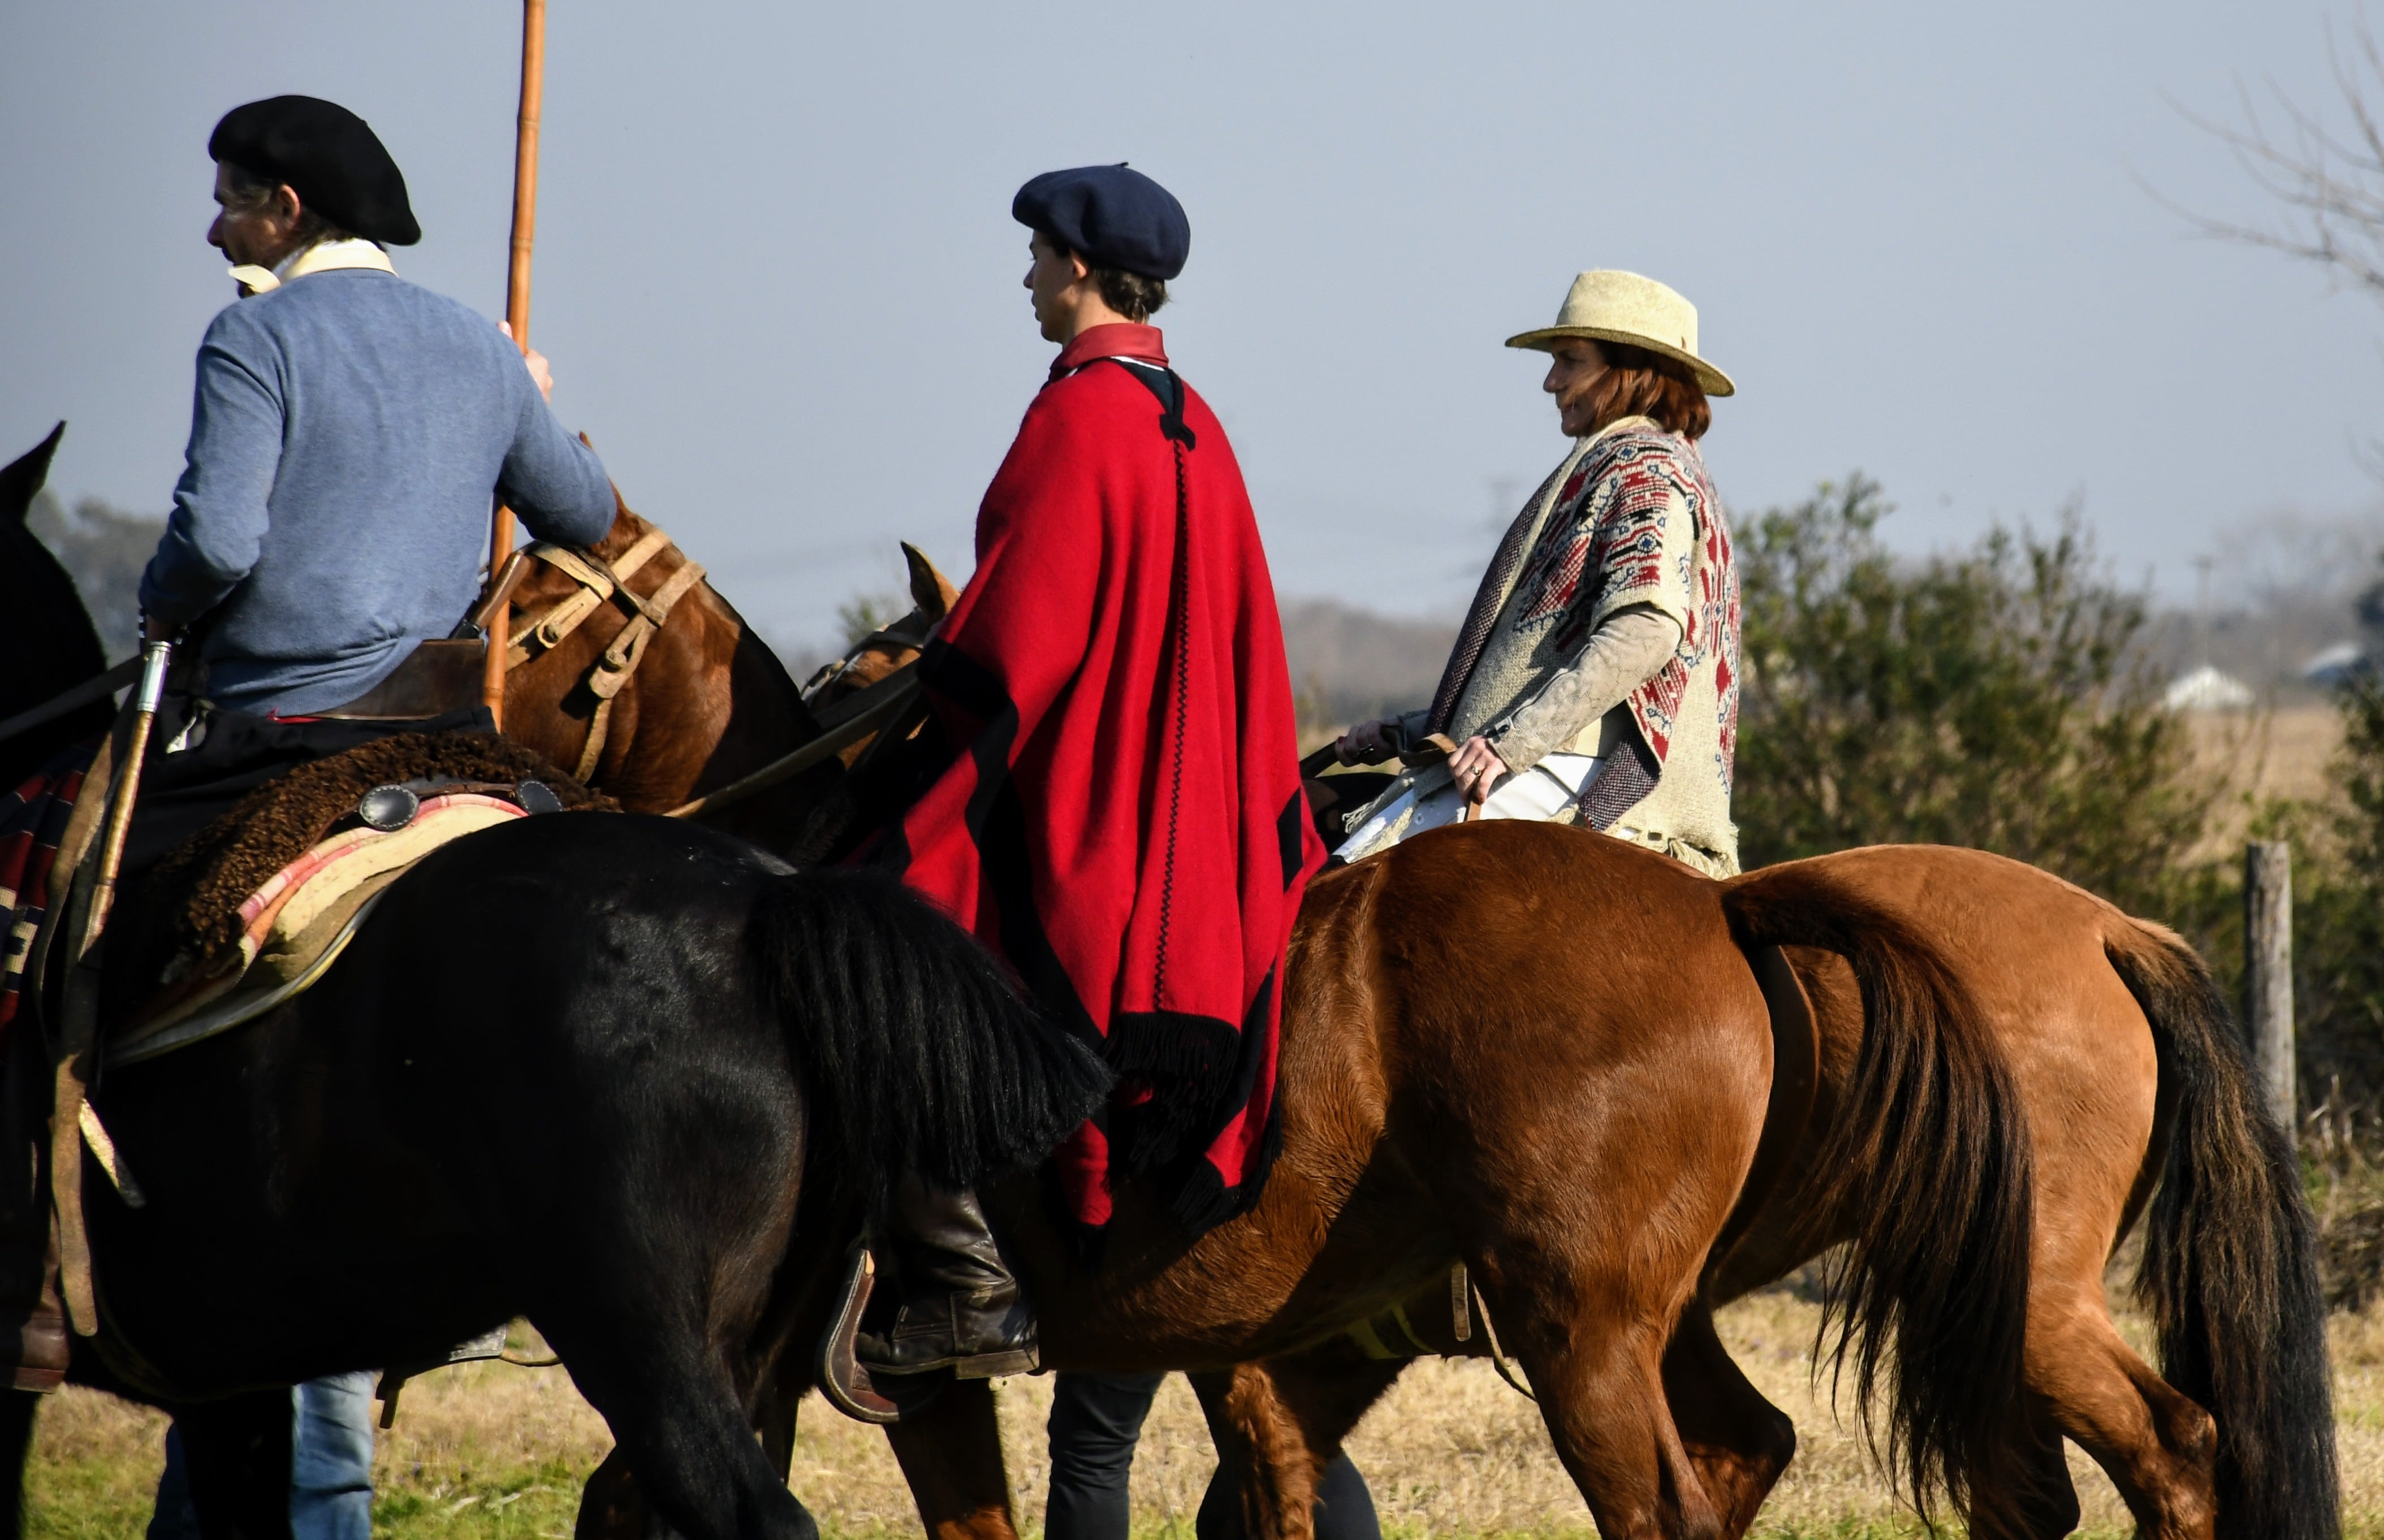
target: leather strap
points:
(877, 709)
(618, 661)
(598, 581)
(601, 580)
(82, 694)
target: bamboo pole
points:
(533, 85)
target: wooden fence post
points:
(2269, 973)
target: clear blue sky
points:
(778, 276)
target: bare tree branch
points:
(2330, 182)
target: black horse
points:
(626, 1076)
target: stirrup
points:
(846, 1380)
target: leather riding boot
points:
(32, 1322)
(33, 1348)
(960, 1308)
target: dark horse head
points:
(54, 646)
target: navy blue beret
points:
(331, 156)
(1110, 215)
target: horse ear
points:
(930, 590)
(24, 478)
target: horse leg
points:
(952, 1456)
(1596, 1365)
(660, 1367)
(2044, 1507)
(236, 1453)
(1737, 1441)
(683, 1431)
(611, 1506)
(2158, 1447)
(1278, 1427)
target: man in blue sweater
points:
(349, 432)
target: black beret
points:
(329, 154)
(1110, 215)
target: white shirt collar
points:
(321, 257)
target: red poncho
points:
(1123, 820)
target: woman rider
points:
(1595, 678)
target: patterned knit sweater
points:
(1628, 522)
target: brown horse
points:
(2131, 1075)
(1575, 1124)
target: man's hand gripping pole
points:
(154, 656)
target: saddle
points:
(258, 906)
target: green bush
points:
(1996, 698)
(1991, 698)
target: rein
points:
(842, 726)
(867, 711)
(598, 582)
(82, 694)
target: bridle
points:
(599, 581)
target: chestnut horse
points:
(2122, 1055)
(2136, 1091)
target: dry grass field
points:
(2284, 754)
(492, 1452)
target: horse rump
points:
(1928, 1162)
(2231, 1258)
(916, 1054)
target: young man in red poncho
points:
(1117, 812)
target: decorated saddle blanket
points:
(261, 902)
(33, 816)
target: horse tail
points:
(1927, 1160)
(2231, 1256)
(915, 1053)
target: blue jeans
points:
(330, 1466)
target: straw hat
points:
(1614, 306)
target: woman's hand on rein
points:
(1475, 767)
(1363, 744)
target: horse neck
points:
(50, 646)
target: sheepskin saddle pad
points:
(259, 904)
